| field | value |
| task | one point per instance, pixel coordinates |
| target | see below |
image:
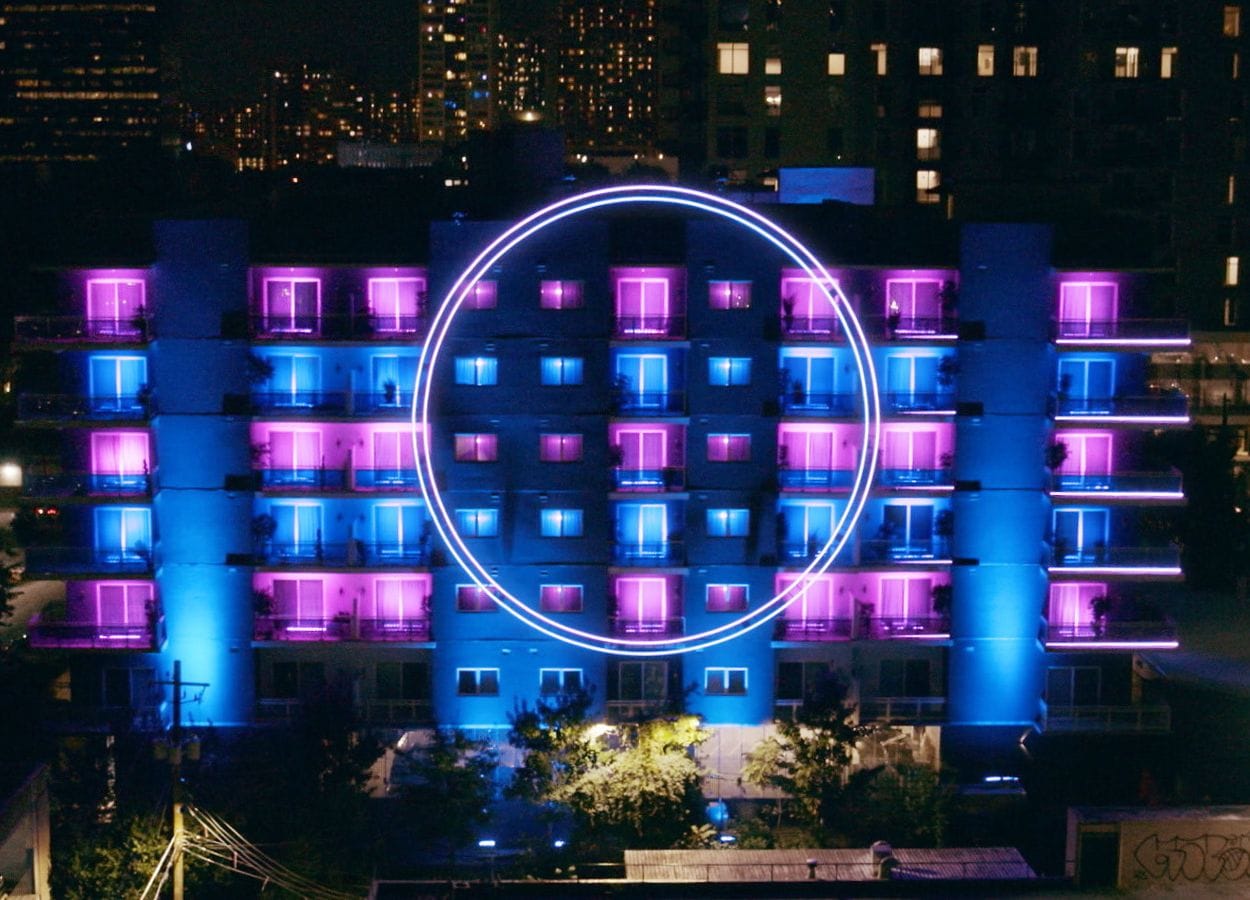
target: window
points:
(638, 681)
(731, 141)
(930, 59)
(728, 522)
(561, 522)
(399, 602)
(1230, 196)
(729, 371)
(729, 294)
(727, 597)
(717, 680)
(130, 688)
(1127, 60)
(732, 59)
(1236, 72)
(559, 681)
(477, 522)
(292, 680)
(560, 598)
(1068, 686)
(929, 109)
(928, 144)
(1024, 62)
(1167, 62)
(985, 60)
(1232, 21)
(1230, 312)
(1232, 271)
(927, 183)
(728, 448)
(561, 370)
(772, 100)
(560, 295)
(477, 370)
(483, 295)
(123, 536)
(772, 65)
(291, 304)
(471, 598)
(300, 602)
(477, 682)
(477, 447)
(393, 379)
(114, 306)
(399, 528)
(395, 303)
(835, 64)
(116, 383)
(119, 459)
(904, 678)
(402, 680)
(560, 447)
(879, 52)
(795, 680)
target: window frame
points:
(480, 690)
(726, 676)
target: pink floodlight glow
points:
(1120, 495)
(1139, 420)
(1124, 342)
(1115, 570)
(1113, 645)
(750, 221)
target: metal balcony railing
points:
(75, 407)
(812, 629)
(357, 326)
(670, 478)
(340, 628)
(50, 633)
(300, 402)
(1116, 557)
(660, 553)
(800, 328)
(1112, 631)
(1120, 483)
(81, 329)
(1132, 718)
(648, 327)
(887, 549)
(629, 626)
(909, 710)
(394, 629)
(939, 477)
(818, 403)
(917, 401)
(1166, 405)
(886, 628)
(398, 712)
(649, 403)
(86, 561)
(385, 479)
(353, 554)
(1122, 330)
(85, 484)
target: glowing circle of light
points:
(646, 195)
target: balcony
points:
(54, 633)
(649, 403)
(670, 478)
(339, 628)
(815, 403)
(79, 407)
(898, 550)
(1144, 560)
(813, 629)
(57, 561)
(633, 710)
(379, 711)
(648, 328)
(381, 404)
(810, 328)
(918, 479)
(353, 326)
(622, 626)
(1130, 718)
(1159, 632)
(1125, 332)
(815, 479)
(86, 484)
(353, 554)
(800, 552)
(911, 403)
(1161, 407)
(385, 479)
(300, 403)
(302, 479)
(888, 628)
(911, 327)
(1147, 485)
(903, 710)
(660, 553)
(81, 330)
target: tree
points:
(555, 738)
(907, 804)
(450, 781)
(808, 758)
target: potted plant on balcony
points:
(390, 390)
(940, 598)
(1100, 609)
(262, 611)
(263, 528)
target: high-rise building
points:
(523, 75)
(456, 72)
(607, 76)
(644, 426)
(79, 81)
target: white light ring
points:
(521, 231)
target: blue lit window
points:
(479, 370)
(559, 681)
(561, 370)
(479, 682)
(728, 522)
(720, 680)
(561, 523)
(728, 371)
(477, 522)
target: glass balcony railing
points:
(810, 328)
(339, 628)
(648, 327)
(353, 554)
(1131, 718)
(941, 400)
(85, 484)
(302, 479)
(47, 632)
(86, 561)
(385, 479)
(1149, 406)
(660, 553)
(355, 326)
(812, 629)
(1158, 483)
(814, 479)
(819, 403)
(900, 550)
(903, 710)
(670, 478)
(628, 626)
(917, 478)
(81, 330)
(300, 402)
(1127, 558)
(1148, 332)
(1151, 631)
(885, 628)
(649, 403)
(79, 407)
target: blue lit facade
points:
(642, 431)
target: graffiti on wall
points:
(1204, 858)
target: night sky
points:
(222, 48)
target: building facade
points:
(644, 426)
(456, 70)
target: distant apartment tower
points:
(608, 73)
(307, 111)
(79, 81)
(522, 74)
(456, 77)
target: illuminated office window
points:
(836, 64)
(1024, 62)
(1127, 62)
(930, 60)
(1167, 62)
(985, 60)
(879, 51)
(732, 58)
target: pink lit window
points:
(805, 308)
(121, 454)
(292, 304)
(483, 295)
(560, 294)
(642, 305)
(560, 447)
(728, 447)
(393, 450)
(395, 303)
(295, 451)
(400, 600)
(301, 600)
(471, 598)
(808, 449)
(477, 447)
(1089, 454)
(1087, 308)
(642, 604)
(819, 604)
(642, 449)
(114, 306)
(1071, 607)
(123, 607)
(726, 597)
(912, 305)
(905, 599)
(560, 598)
(909, 450)
(729, 294)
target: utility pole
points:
(173, 749)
